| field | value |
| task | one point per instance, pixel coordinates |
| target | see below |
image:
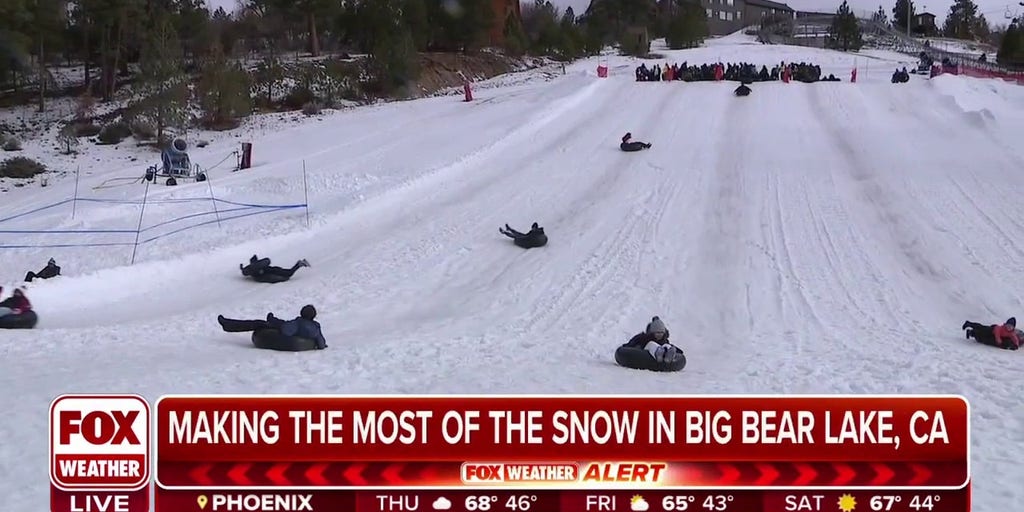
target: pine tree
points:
(224, 91)
(1011, 49)
(900, 14)
(687, 27)
(962, 20)
(880, 16)
(163, 86)
(845, 33)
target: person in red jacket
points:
(1002, 336)
(16, 304)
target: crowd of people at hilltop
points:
(740, 72)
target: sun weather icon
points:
(847, 503)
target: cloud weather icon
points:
(639, 504)
(442, 503)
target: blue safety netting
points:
(166, 227)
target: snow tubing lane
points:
(272, 339)
(640, 359)
(26, 320)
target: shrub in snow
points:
(143, 130)
(114, 133)
(20, 167)
(12, 144)
(67, 138)
(299, 97)
(86, 130)
(311, 109)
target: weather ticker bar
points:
(522, 453)
(547, 500)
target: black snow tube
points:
(640, 359)
(531, 242)
(272, 339)
(270, 278)
(26, 320)
(630, 147)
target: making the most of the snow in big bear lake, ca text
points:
(675, 428)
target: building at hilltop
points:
(728, 16)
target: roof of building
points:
(925, 14)
(770, 5)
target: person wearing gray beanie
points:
(655, 340)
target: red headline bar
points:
(562, 428)
(562, 500)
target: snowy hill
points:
(826, 237)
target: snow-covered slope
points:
(829, 237)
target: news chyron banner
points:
(551, 453)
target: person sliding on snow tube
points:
(16, 311)
(535, 238)
(651, 350)
(261, 271)
(1002, 336)
(742, 90)
(632, 146)
(300, 333)
(50, 270)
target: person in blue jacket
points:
(302, 326)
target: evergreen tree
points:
(1011, 50)
(901, 13)
(393, 59)
(163, 86)
(845, 32)
(414, 15)
(687, 27)
(224, 91)
(962, 20)
(880, 16)
(982, 29)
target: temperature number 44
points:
(924, 502)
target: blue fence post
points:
(138, 229)
(213, 200)
(305, 191)
(74, 200)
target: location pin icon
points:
(201, 500)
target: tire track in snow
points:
(605, 268)
(903, 235)
(533, 174)
(715, 294)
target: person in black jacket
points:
(303, 326)
(261, 270)
(627, 145)
(50, 270)
(534, 238)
